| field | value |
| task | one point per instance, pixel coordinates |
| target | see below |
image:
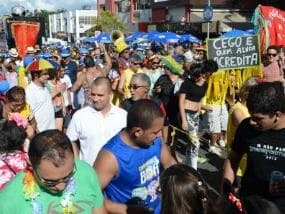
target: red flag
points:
(25, 34)
(275, 20)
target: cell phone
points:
(275, 178)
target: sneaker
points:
(202, 160)
(212, 149)
(222, 143)
(217, 151)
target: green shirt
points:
(88, 194)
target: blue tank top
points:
(138, 173)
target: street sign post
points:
(208, 15)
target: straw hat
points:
(13, 52)
(30, 50)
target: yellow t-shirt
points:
(222, 83)
(128, 76)
(26, 112)
(217, 88)
(22, 78)
(231, 130)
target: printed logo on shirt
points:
(149, 170)
(270, 152)
(144, 192)
(79, 206)
(140, 192)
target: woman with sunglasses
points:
(153, 71)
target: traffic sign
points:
(208, 13)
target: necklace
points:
(31, 194)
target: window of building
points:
(142, 4)
(87, 20)
(58, 25)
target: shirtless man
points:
(92, 72)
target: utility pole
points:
(208, 25)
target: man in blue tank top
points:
(128, 166)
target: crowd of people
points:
(87, 130)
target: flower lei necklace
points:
(31, 194)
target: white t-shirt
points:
(66, 84)
(40, 101)
(94, 131)
(189, 56)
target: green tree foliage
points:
(45, 13)
(109, 22)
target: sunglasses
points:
(52, 183)
(135, 87)
(270, 54)
(136, 63)
(200, 53)
(155, 63)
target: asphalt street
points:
(209, 165)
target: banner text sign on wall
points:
(234, 52)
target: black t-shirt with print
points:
(265, 153)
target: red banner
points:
(25, 34)
(275, 20)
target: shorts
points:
(58, 114)
(66, 120)
(218, 119)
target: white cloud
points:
(51, 5)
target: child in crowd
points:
(183, 190)
(13, 159)
(17, 109)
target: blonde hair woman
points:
(237, 113)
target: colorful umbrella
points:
(39, 65)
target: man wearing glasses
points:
(273, 66)
(54, 182)
(139, 87)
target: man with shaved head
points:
(95, 124)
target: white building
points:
(71, 25)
